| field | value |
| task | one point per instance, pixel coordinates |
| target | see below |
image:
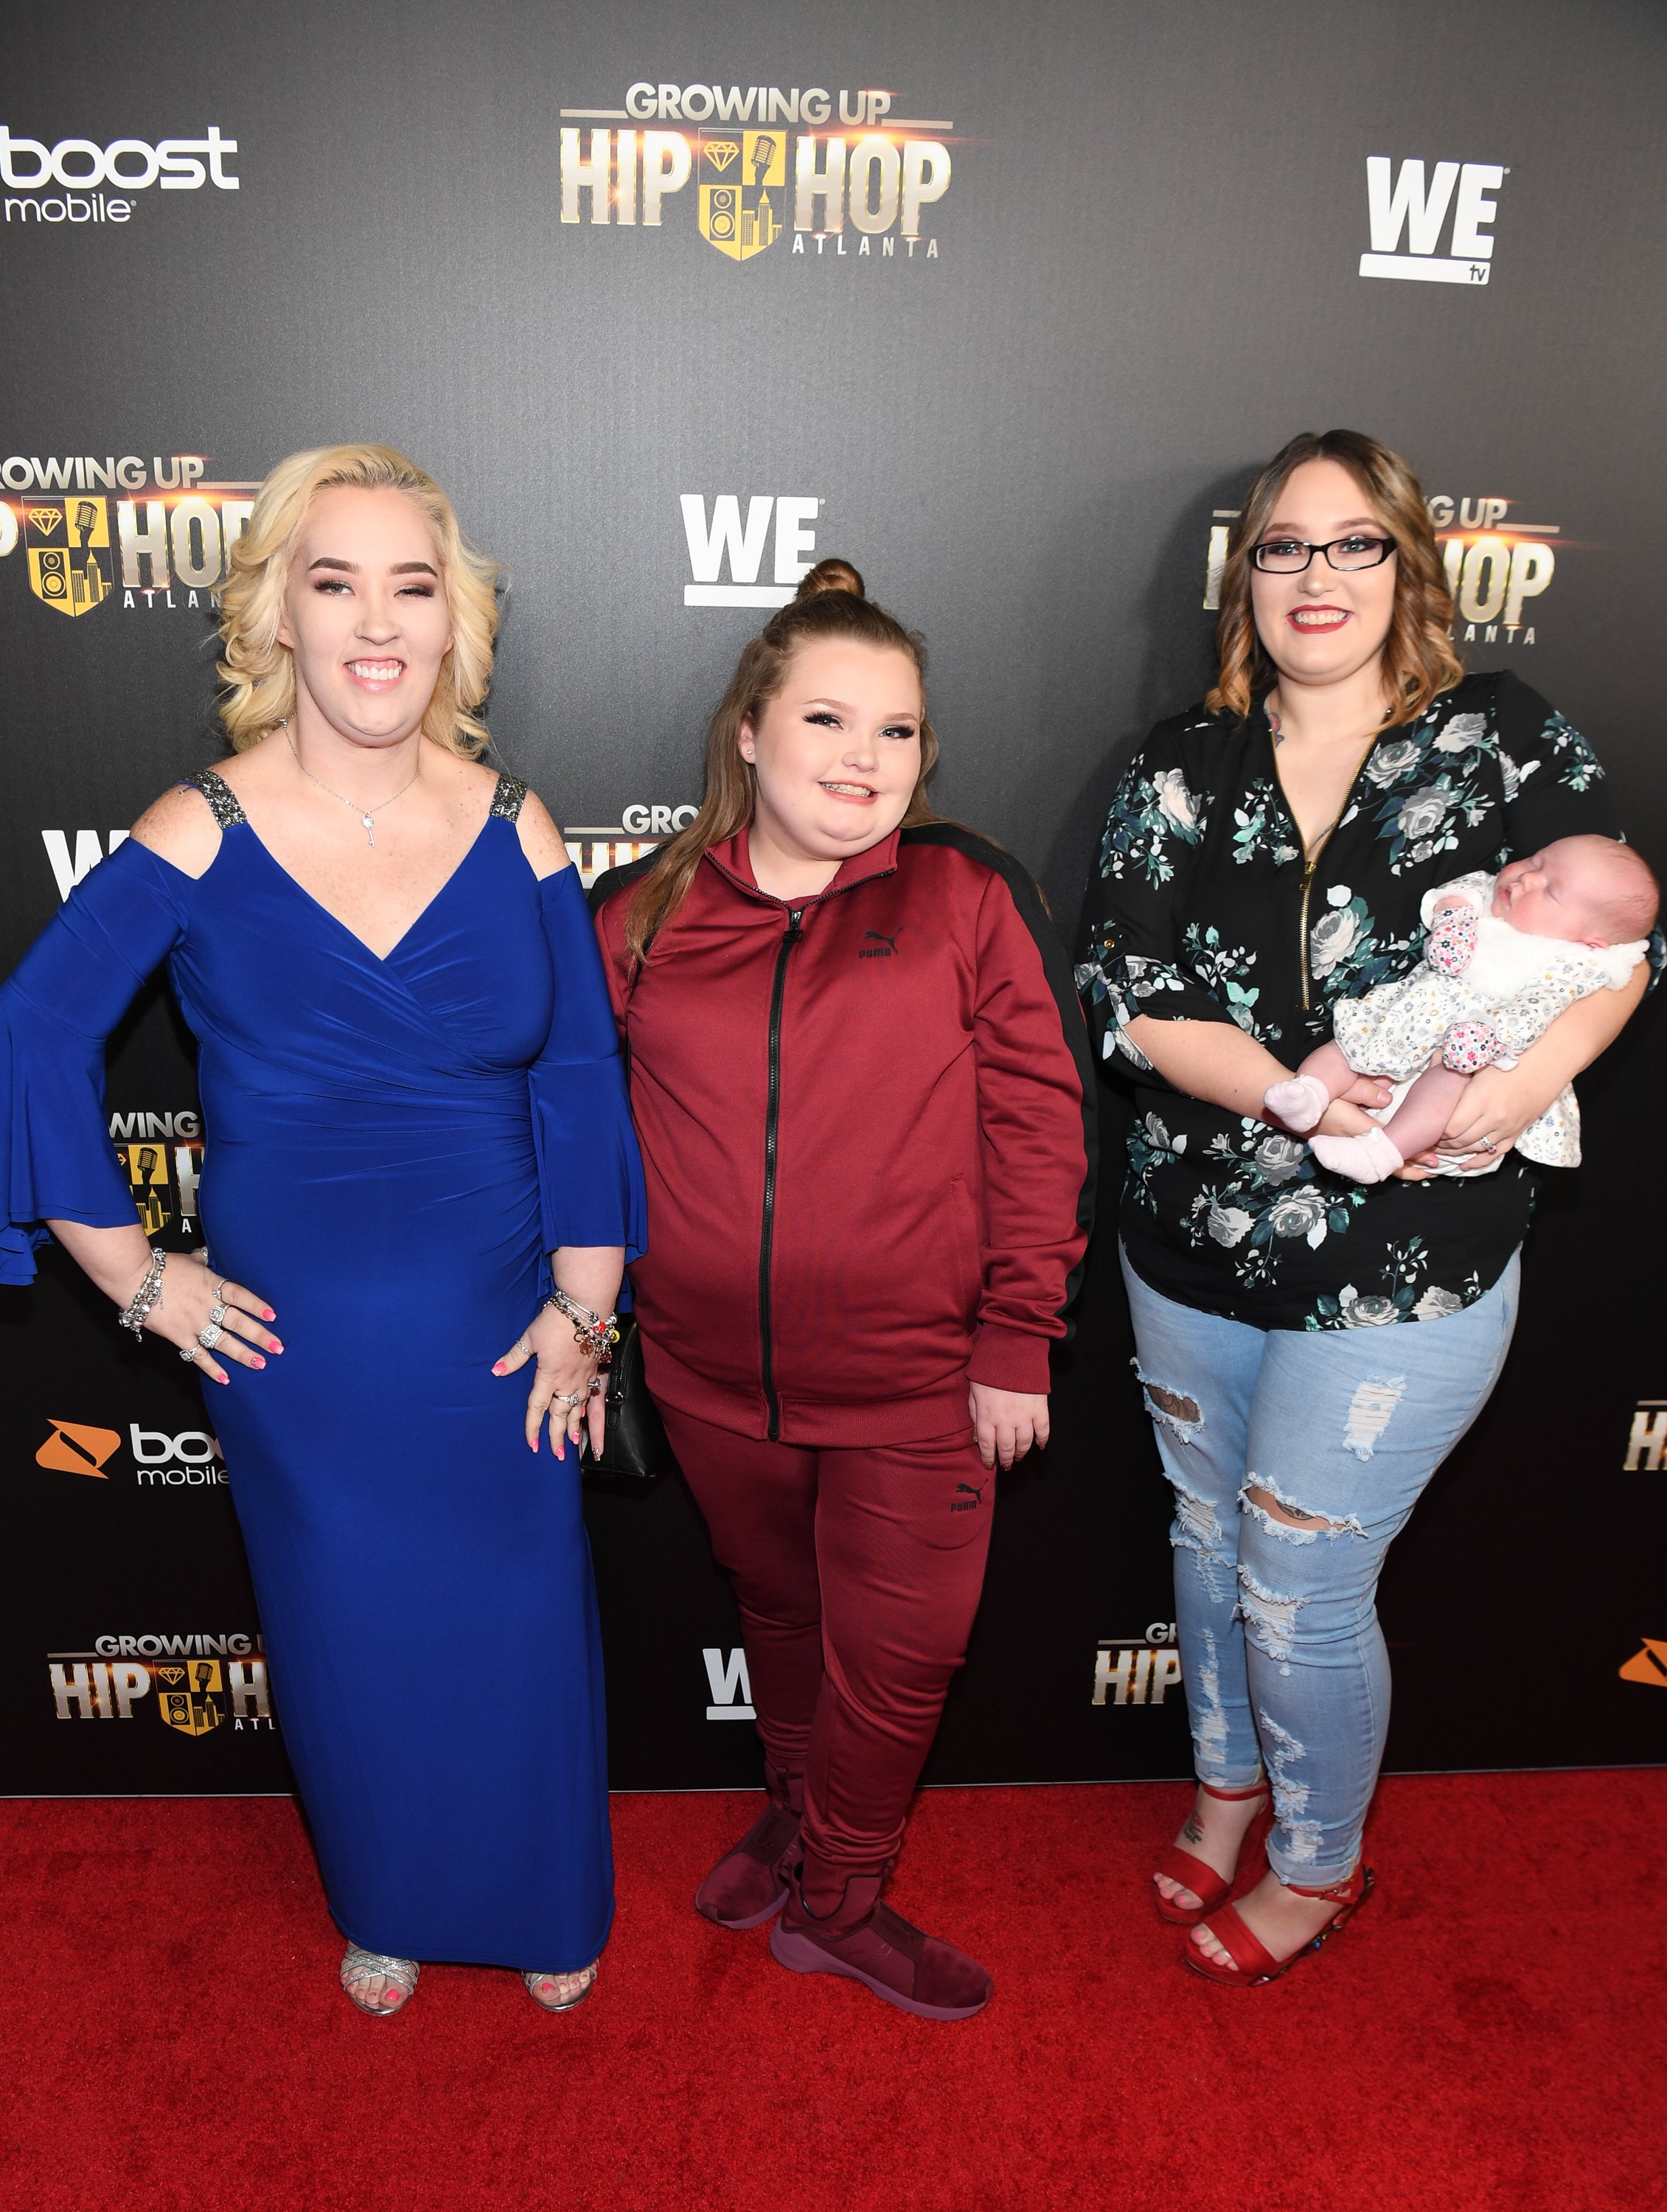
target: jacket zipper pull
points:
(795, 931)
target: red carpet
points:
(1492, 2032)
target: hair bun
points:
(831, 575)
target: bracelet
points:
(590, 1332)
(146, 1299)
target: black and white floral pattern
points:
(1198, 916)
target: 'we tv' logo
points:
(1407, 202)
(727, 536)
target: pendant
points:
(370, 827)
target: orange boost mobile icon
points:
(74, 1449)
(1650, 1666)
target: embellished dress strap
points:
(506, 799)
(222, 800)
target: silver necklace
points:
(366, 814)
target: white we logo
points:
(1408, 203)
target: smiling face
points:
(836, 751)
(365, 614)
(1323, 626)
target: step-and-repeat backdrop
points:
(1005, 306)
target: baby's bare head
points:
(1585, 890)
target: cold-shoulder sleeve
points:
(69, 992)
(590, 1172)
(1132, 960)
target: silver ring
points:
(190, 1352)
(216, 1314)
(220, 1288)
(570, 1398)
(1487, 1145)
(211, 1336)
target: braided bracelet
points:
(146, 1299)
(590, 1332)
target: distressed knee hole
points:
(1283, 1518)
(1182, 1415)
(1369, 1412)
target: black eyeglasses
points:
(1289, 556)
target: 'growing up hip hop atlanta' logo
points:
(87, 537)
(198, 1681)
(765, 164)
(1496, 566)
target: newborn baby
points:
(1503, 956)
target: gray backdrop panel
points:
(1146, 275)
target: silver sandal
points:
(587, 1975)
(359, 1966)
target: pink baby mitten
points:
(1450, 946)
(1470, 1045)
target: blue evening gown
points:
(393, 1147)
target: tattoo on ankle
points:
(1193, 1832)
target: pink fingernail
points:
(276, 1346)
(498, 1369)
(266, 1314)
(257, 1362)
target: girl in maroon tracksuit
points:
(861, 1085)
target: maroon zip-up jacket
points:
(866, 1124)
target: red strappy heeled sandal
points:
(1198, 1874)
(1253, 1964)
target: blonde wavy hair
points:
(259, 673)
(1419, 660)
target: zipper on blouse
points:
(791, 936)
(1311, 860)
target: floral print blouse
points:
(1203, 910)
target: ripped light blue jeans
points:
(1282, 1658)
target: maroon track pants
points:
(858, 1575)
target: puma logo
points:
(971, 1502)
(884, 947)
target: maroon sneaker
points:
(749, 1884)
(869, 1943)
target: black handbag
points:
(633, 1440)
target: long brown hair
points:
(1419, 660)
(830, 602)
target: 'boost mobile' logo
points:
(1649, 1667)
(81, 165)
(1408, 204)
(73, 1448)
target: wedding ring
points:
(570, 1398)
(1489, 1146)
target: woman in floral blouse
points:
(1311, 1349)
